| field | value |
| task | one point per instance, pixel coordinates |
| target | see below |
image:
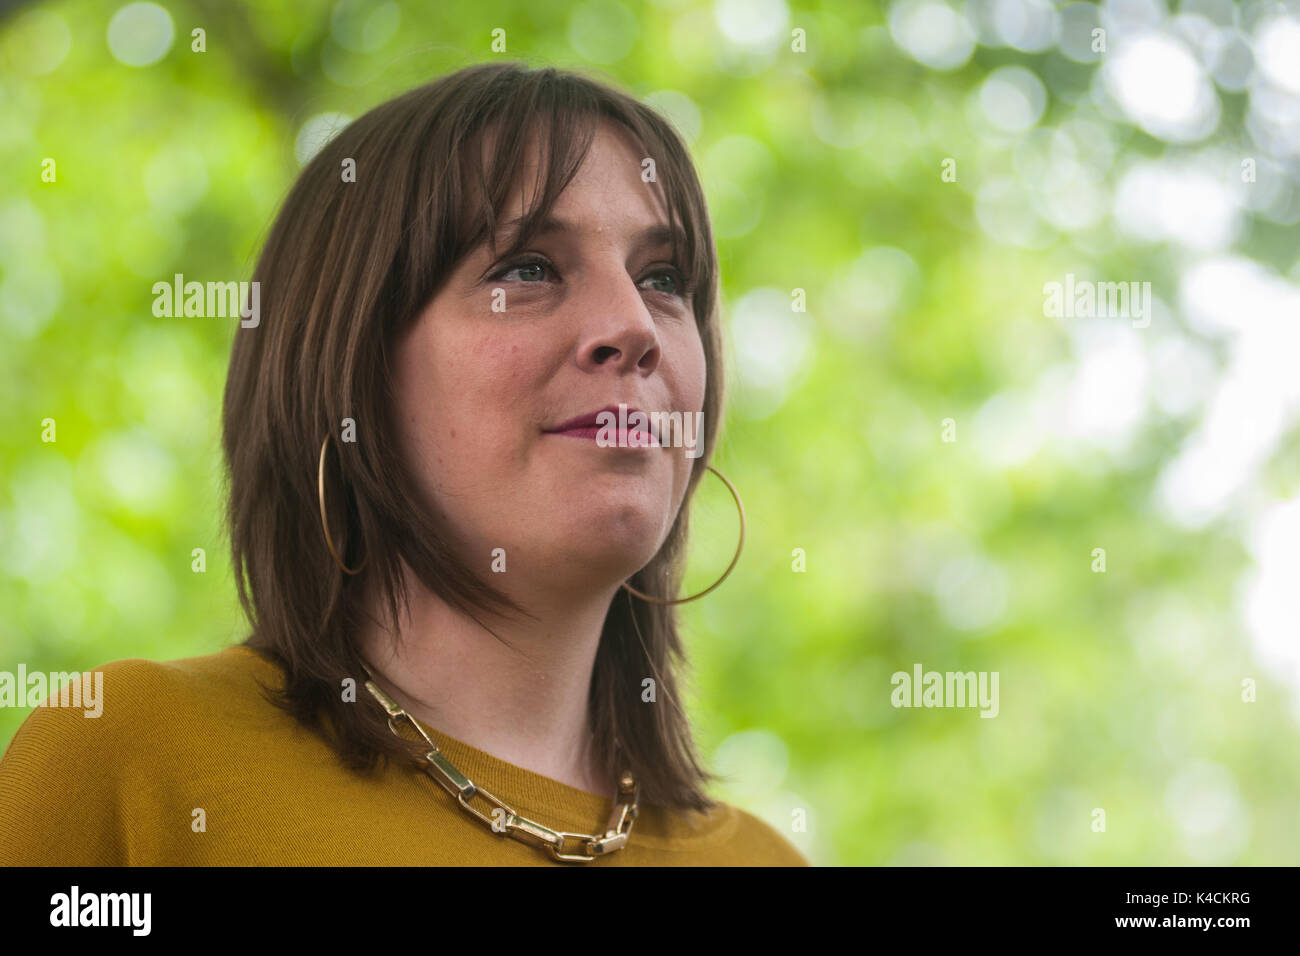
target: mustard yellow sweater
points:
(188, 765)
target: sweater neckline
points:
(556, 804)
(528, 790)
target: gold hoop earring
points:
(740, 544)
(324, 522)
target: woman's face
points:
(595, 315)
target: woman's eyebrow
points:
(660, 234)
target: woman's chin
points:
(616, 542)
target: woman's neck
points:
(524, 701)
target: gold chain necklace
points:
(504, 819)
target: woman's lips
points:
(593, 418)
(614, 437)
(617, 433)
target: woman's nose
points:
(618, 329)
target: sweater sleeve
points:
(59, 796)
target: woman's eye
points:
(533, 268)
(536, 270)
(676, 285)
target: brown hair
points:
(348, 266)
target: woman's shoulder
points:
(96, 742)
(725, 835)
(767, 844)
(103, 716)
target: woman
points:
(455, 573)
